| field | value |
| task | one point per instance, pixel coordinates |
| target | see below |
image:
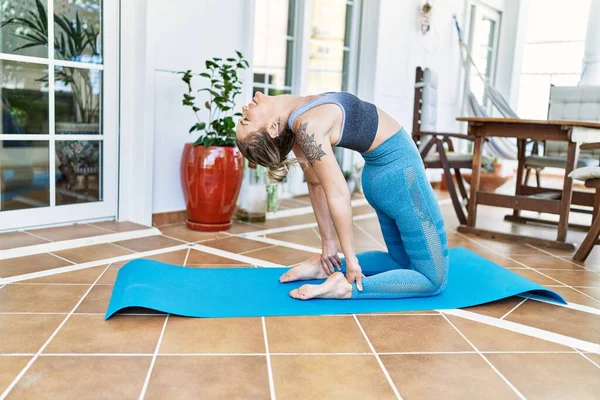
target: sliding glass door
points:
(59, 105)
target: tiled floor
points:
(54, 342)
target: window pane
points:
(553, 57)
(78, 30)
(329, 33)
(24, 95)
(78, 100)
(78, 171)
(24, 180)
(560, 21)
(273, 41)
(533, 96)
(22, 31)
(275, 92)
(324, 81)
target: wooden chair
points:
(436, 148)
(591, 177)
(576, 103)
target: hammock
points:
(505, 148)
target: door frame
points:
(93, 211)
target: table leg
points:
(521, 166)
(567, 193)
(475, 176)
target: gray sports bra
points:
(359, 119)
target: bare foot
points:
(335, 287)
(309, 269)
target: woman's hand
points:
(354, 274)
(330, 261)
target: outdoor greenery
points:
(219, 127)
(74, 40)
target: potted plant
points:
(212, 167)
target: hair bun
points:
(278, 172)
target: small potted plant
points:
(212, 167)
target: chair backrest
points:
(579, 103)
(425, 104)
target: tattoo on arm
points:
(309, 145)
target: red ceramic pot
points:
(211, 178)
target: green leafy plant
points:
(225, 86)
(73, 39)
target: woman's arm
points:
(329, 257)
(317, 149)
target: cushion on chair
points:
(556, 162)
(585, 173)
(429, 104)
(574, 103)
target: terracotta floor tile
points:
(93, 253)
(235, 244)
(576, 278)
(149, 243)
(83, 378)
(240, 227)
(511, 249)
(307, 237)
(360, 210)
(11, 240)
(328, 377)
(412, 333)
(498, 308)
(549, 376)
(120, 226)
(546, 262)
(40, 298)
(197, 257)
(174, 258)
(280, 255)
(445, 376)
(181, 231)
(336, 334)
(69, 232)
(594, 357)
(577, 324)
(537, 277)
(120, 334)
(29, 264)
(573, 296)
(9, 369)
(96, 301)
(371, 225)
(223, 377)
(88, 275)
(490, 338)
(26, 333)
(213, 335)
(594, 292)
(364, 241)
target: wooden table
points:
(573, 132)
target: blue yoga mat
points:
(251, 292)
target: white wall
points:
(182, 35)
(401, 48)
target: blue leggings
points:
(396, 186)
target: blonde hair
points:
(260, 148)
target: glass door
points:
(483, 42)
(58, 111)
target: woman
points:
(394, 183)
